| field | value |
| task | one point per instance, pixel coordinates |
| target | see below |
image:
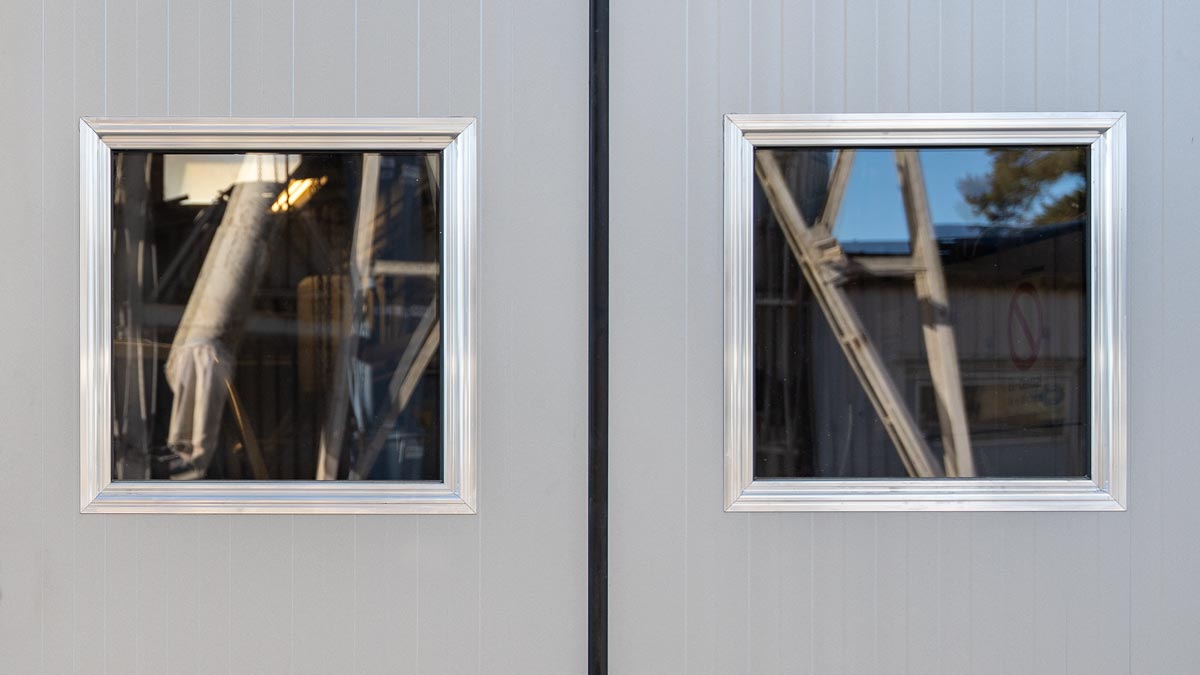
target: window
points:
(924, 312)
(278, 315)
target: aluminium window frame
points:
(455, 140)
(1106, 488)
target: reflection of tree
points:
(1015, 190)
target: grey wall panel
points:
(266, 594)
(387, 588)
(532, 538)
(797, 48)
(955, 36)
(433, 61)
(465, 66)
(862, 55)
(260, 578)
(261, 46)
(711, 592)
(387, 51)
(911, 593)
(1180, 518)
(892, 592)
(448, 611)
(322, 599)
(121, 587)
(1134, 76)
(325, 58)
(20, 575)
(923, 616)
(153, 57)
(214, 64)
(183, 57)
(59, 336)
(648, 625)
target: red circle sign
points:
(1024, 326)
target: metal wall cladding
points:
(268, 594)
(698, 590)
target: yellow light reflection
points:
(297, 193)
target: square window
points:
(278, 315)
(924, 312)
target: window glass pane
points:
(921, 312)
(275, 316)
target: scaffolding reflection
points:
(302, 300)
(899, 307)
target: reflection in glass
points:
(921, 312)
(275, 316)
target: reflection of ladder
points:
(826, 267)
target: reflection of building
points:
(1017, 307)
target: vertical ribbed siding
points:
(284, 594)
(699, 591)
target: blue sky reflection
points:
(873, 210)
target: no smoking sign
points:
(1025, 326)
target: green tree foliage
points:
(1015, 191)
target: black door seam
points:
(598, 338)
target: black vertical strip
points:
(598, 339)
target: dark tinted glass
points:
(940, 314)
(275, 316)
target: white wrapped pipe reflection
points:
(201, 360)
